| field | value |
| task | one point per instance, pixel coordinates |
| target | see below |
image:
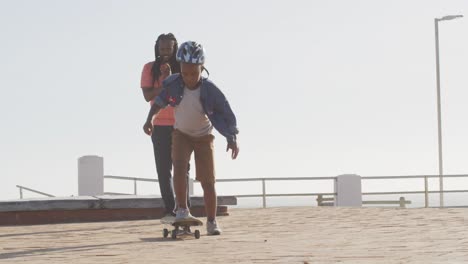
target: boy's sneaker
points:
(212, 228)
(183, 215)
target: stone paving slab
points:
(272, 235)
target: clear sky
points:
(320, 88)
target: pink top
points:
(165, 117)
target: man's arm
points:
(148, 126)
(153, 110)
(150, 92)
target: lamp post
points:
(439, 118)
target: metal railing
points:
(426, 191)
(265, 194)
(21, 188)
(134, 179)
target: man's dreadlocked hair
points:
(175, 66)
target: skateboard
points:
(182, 228)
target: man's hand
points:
(165, 69)
(148, 128)
(235, 149)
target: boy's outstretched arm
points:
(234, 147)
(148, 126)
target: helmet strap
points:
(205, 69)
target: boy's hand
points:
(148, 128)
(235, 149)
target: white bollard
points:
(348, 190)
(90, 175)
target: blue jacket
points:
(213, 101)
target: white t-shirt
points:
(190, 117)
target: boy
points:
(199, 106)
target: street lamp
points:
(439, 119)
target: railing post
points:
(426, 193)
(319, 200)
(402, 202)
(264, 193)
(135, 186)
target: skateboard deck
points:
(181, 228)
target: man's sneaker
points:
(168, 218)
(212, 228)
(183, 215)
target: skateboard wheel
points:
(174, 234)
(197, 234)
(165, 232)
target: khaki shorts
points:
(182, 147)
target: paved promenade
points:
(273, 235)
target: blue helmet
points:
(191, 52)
